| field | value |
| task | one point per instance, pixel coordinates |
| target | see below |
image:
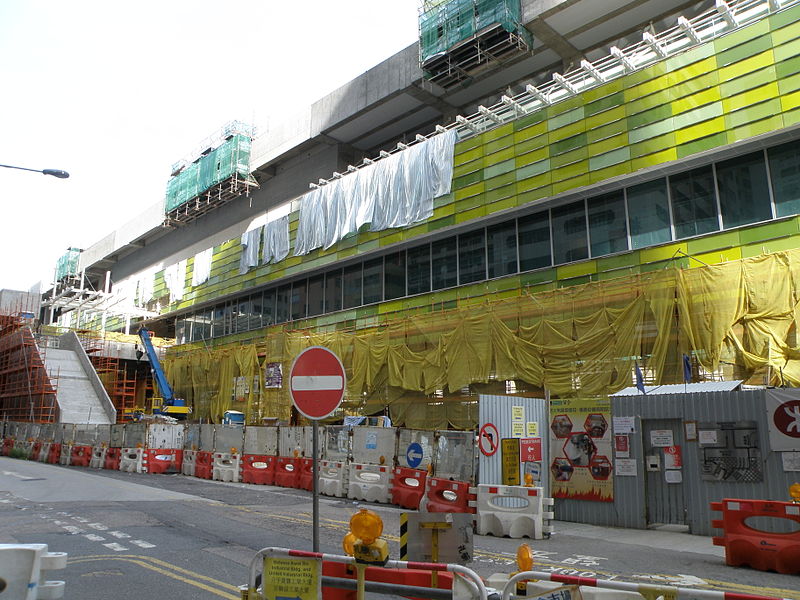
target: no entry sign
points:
(316, 382)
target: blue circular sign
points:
(414, 455)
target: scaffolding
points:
(27, 390)
(219, 174)
(460, 38)
(119, 380)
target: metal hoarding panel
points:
(135, 435)
(228, 438)
(290, 438)
(261, 440)
(117, 436)
(424, 438)
(47, 432)
(507, 413)
(308, 434)
(103, 435)
(336, 439)
(85, 435)
(67, 433)
(374, 445)
(455, 455)
(206, 437)
(191, 437)
(164, 436)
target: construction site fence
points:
(447, 454)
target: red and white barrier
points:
(408, 486)
(369, 483)
(226, 467)
(131, 460)
(514, 511)
(333, 478)
(445, 495)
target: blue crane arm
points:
(155, 365)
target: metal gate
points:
(662, 440)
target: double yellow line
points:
(203, 582)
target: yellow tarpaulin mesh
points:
(736, 319)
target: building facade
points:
(638, 210)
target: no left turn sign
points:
(488, 439)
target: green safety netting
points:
(68, 264)
(444, 24)
(232, 157)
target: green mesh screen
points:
(442, 25)
(67, 265)
(232, 157)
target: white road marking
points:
(119, 534)
(116, 547)
(80, 519)
(17, 475)
(73, 529)
(143, 544)
(98, 526)
(94, 537)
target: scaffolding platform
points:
(211, 199)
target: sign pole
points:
(315, 494)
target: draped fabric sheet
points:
(146, 284)
(250, 243)
(393, 192)
(737, 319)
(175, 278)
(276, 240)
(202, 266)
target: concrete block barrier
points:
(25, 568)
(226, 467)
(333, 478)
(131, 460)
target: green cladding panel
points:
(67, 265)
(231, 158)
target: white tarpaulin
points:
(394, 192)
(202, 266)
(276, 240)
(250, 242)
(175, 278)
(783, 418)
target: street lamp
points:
(54, 172)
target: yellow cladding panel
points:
(688, 72)
(700, 130)
(748, 65)
(648, 87)
(470, 190)
(655, 158)
(659, 253)
(699, 99)
(718, 256)
(576, 270)
(790, 101)
(750, 97)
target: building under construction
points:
(538, 198)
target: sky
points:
(116, 92)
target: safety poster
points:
(581, 443)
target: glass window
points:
(373, 280)
(228, 321)
(180, 330)
(472, 256)
(394, 276)
(534, 241)
(444, 264)
(501, 245)
(648, 213)
(201, 328)
(743, 190)
(256, 310)
(282, 298)
(218, 324)
(694, 205)
(333, 291)
(569, 233)
(299, 292)
(316, 300)
(243, 315)
(608, 232)
(351, 285)
(268, 317)
(784, 168)
(419, 270)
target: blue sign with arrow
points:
(414, 455)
